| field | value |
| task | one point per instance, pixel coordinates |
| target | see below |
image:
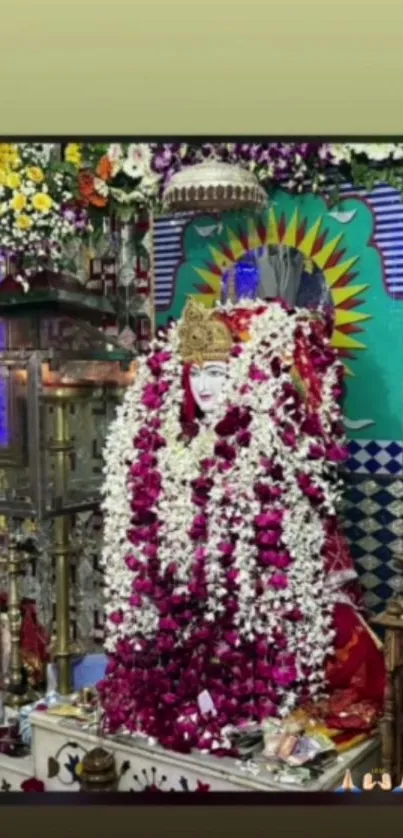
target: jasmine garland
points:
(214, 541)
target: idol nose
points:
(204, 388)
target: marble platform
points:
(58, 746)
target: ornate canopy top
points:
(214, 186)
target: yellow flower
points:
(24, 222)
(42, 202)
(13, 180)
(3, 176)
(19, 202)
(73, 154)
(36, 174)
(9, 157)
(3, 208)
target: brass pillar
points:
(16, 695)
(60, 445)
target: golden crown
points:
(203, 337)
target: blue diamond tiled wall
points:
(373, 516)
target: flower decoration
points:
(32, 784)
(39, 215)
(45, 204)
(212, 583)
(140, 172)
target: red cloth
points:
(34, 640)
(357, 665)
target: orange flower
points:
(104, 168)
(86, 183)
(87, 189)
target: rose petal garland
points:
(213, 547)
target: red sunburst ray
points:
(319, 243)
(350, 329)
(261, 230)
(301, 232)
(204, 289)
(344, 280)
(282, 227)
(345, 353)
(243, 238)
(214, 269)
(334, 259)
(228, 252)
(348, 305)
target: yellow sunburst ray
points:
(334, 274)
(290, 235)
(307, 244)
(220, 259)
(236, 245)
(214, 283)
(206, 300)
(344, 317)
(327, 251)
(341, 295)
(272, 228)
(343, 341)
(253, 237)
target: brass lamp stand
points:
(17, 695)
(61, 446)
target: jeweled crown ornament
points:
(203, 336)
(214, 186)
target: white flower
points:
(341, 152)
(138, 160)
(378, 152)
(101, 187)
(115, 156)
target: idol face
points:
(206, 383)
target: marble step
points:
(58, 746)
(14, 770)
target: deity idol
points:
(230, 593)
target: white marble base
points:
(13, 772)
(58, 744)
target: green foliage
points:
(367, 176)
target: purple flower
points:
(269, 519)
(314, 493)
(243, 439)
(224, 450)
(279, 581)
(162, 160)
(284, 676)
(289, 438)
(316, 451)
(337, 454)
(255, 374)
(168, 624)
(116, 617)
(133, 563)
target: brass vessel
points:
(98, 772)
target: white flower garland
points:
(310, 639)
